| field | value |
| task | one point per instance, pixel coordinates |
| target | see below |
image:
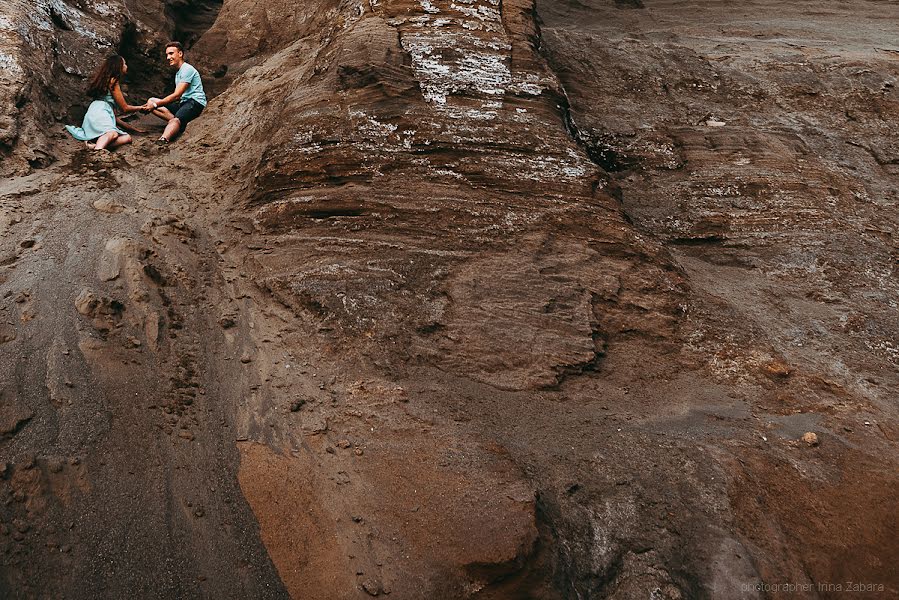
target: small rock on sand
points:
(372, 587)
(107, 205)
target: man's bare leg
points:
(172, 128)
(163, 113)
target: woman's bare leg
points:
(123, 139)
(105, 139)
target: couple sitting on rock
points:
(101, 128)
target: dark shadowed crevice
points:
(603, 155)
(192, 18)
(59, 21)
(629, 4)
(146, 71)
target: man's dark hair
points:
(175, 45)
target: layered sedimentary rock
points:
(455, 298)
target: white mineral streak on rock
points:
(11, 71)
(527, 83)
(482, 13)
(478, 72)
(310, 149)
(457, 62)
(622, 511)
(885, 348)
(449, 173)
(548, 168)
(448, 60)
(461, 60)
(40, 17)
(101, 8)
(480, 115)
(579, 168)
(428, 7)
(371, 125)
(10, 65)
(302, 138)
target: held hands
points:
(151, 104)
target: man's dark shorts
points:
(186, 111)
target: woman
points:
(99, 124)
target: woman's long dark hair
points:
(110, 71)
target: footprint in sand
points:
(14, 416)
(7, 333)
(27, 311)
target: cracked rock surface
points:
(453, 299)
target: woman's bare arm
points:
(128, 127)
(119, 98)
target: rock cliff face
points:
(450, 299)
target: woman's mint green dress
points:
(98, 120)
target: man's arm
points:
(176, 95)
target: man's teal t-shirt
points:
(191, 76)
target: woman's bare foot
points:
(91, 145)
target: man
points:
(187, 101)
